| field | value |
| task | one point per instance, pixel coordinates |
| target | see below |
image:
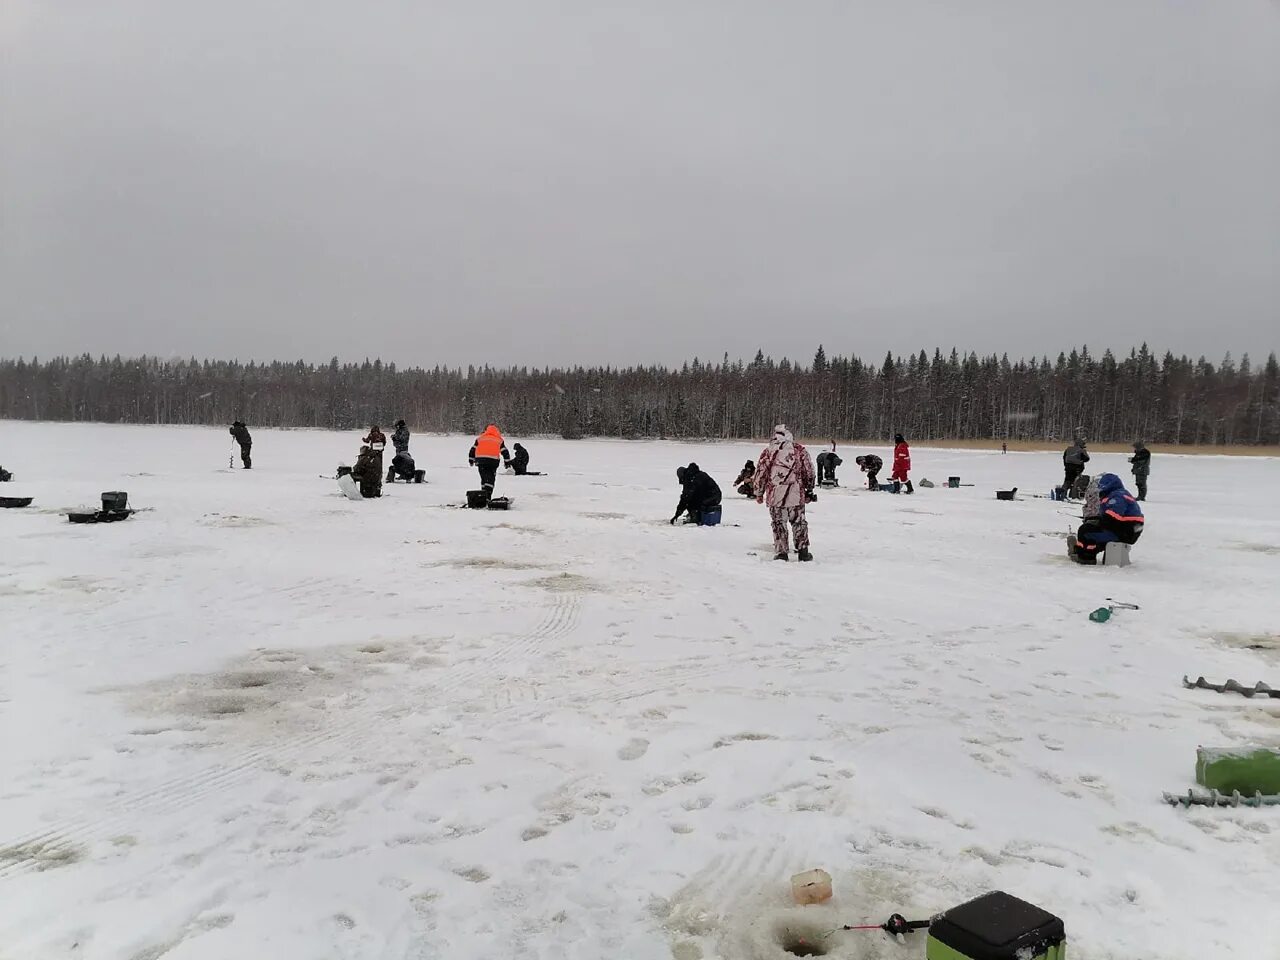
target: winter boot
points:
(805, 556)
(910, 488)
(391, 475)
(781, 556)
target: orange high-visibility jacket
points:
(489, 446)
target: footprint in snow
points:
(633, 749)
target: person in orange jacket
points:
(485, 453)
(901, 461)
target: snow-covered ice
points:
(261, 721)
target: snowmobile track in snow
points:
(60, 843)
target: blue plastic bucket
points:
(710, 518)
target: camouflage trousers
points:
(781, 516)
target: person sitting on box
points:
(1119, 519)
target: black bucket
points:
(477, 499)
(1006, 494)
(115, 501)
(419, 476)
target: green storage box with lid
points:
(996, 926)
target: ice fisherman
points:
(1141, 461)
(745, 483)
(699, 495)
(901, 461)
(400, 437)
(1073, 460)
(828, 460)
(402, 465)
(485, 454)
(519, 460)
(871, 465)
(367, 472)
(785, 478)
(1119, 518)
(5, 475)
(377, 441)
(241, 434)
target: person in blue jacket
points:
(1119, 519)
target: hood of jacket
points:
(1109, 483)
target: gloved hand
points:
(674, 519)
(471, 462)
(759, 499)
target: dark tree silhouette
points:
(949, 396)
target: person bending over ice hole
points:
(871, 465)
(827, 463)
(485, 453)
(746, 480)
(1119, 518)
(699, 495)
(785, 478)
(368, 473)
(241, 434)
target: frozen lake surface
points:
(258, 720)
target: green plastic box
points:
(1247, 769)
(996, 926)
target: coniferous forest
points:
(943, 396)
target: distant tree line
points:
(949, 396)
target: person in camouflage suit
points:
(785, 478)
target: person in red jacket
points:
(901, 461)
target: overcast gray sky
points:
(547, 182)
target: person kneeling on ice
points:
(785, 478)
(519, 460)
(368, 473)
(746, 480)
(485, 453)
(402, 468)
(871, 465)
(1119, 519)
(700, 496)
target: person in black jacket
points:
(699, 493)
(827, 461)
(1141, 461)
(1073, 460)
(367, 472)
(871, 465)
(400, 438)
(519, 460)
(241, 434)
